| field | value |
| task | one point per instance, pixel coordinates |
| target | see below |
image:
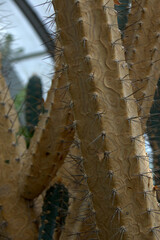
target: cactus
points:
(33, 103)
(10, 162)
(55, 207)
(32, 98)
(103, 99)
(51, 141)
(14, 158)
(103, 88)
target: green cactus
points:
(32, 97)
(55, 207)
(34, 102)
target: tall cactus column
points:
(113, 148)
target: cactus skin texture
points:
(55, 207)
(33, 102)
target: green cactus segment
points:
(34, 102)
(55, 207)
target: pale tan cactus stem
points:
(51, 141)
(16, 215)
(113, 148)
(144, 62)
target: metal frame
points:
(37, 25)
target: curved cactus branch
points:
(112, 143)
(51, 141)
